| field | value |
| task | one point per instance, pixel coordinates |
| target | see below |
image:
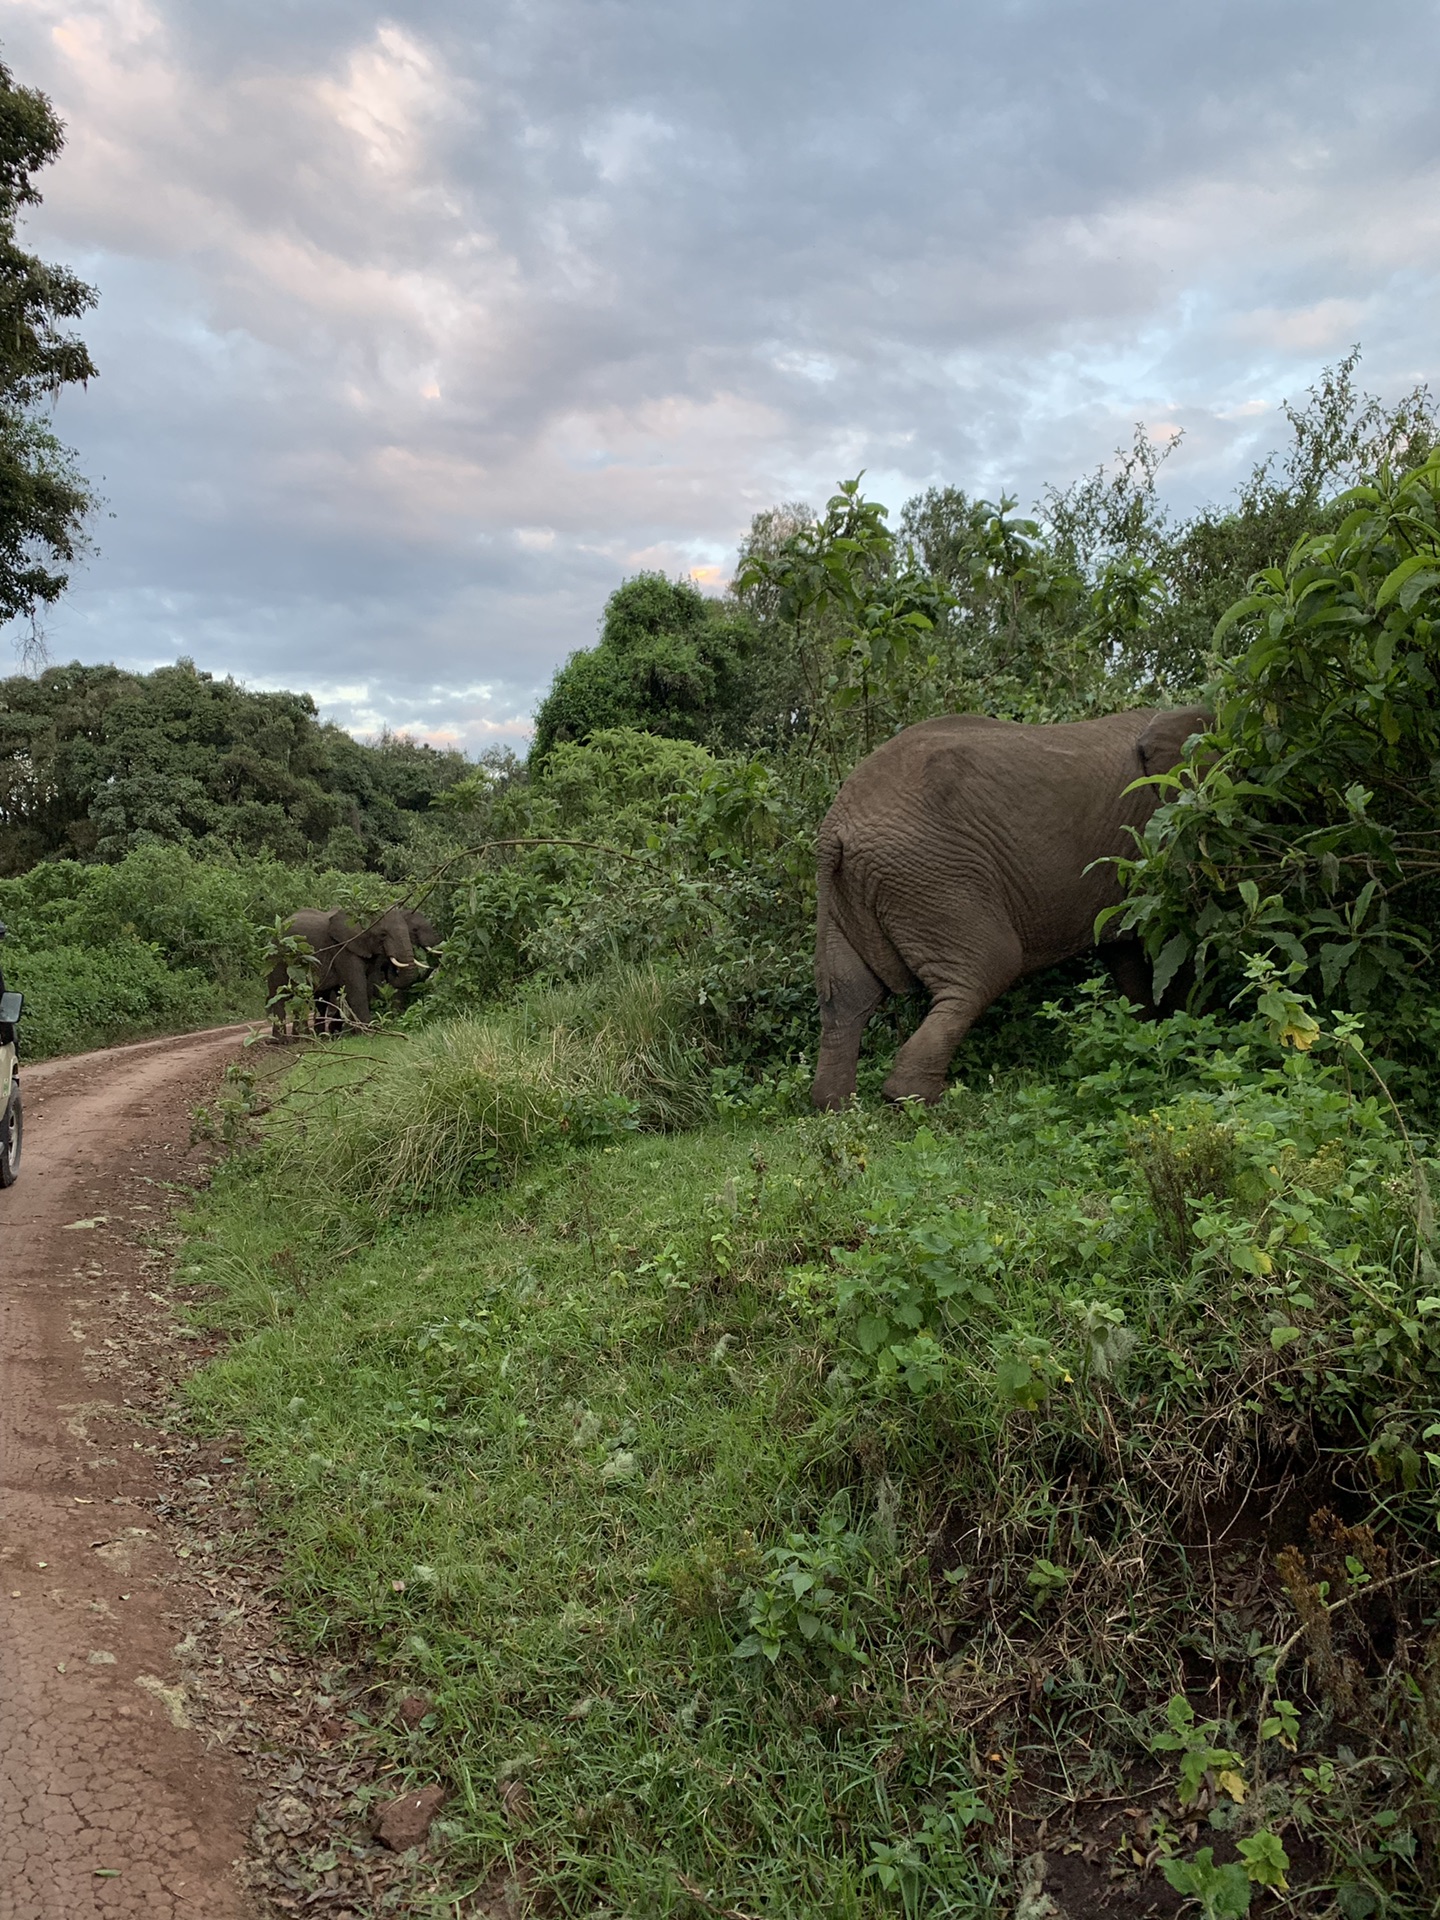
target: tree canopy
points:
(670, 661)
(43, 499)
(95, 761)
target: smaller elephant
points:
(379, 972)
(343, 952)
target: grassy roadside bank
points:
(814, 1515)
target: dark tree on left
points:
(44, 500)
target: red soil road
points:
(109, 1803)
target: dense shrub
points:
(1308, 824)
(669, 661)
(97, 995)
(701, 865)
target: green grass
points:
(924, 1407)
(561, 1428)
(456, 1107)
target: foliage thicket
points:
(1309, 825)
(95, 761)
(646, 851)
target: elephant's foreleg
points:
(1129, 968)
(273, 986)
(349, 971)
(849, 994)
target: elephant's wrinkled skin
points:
(960, 857)
(343, 949)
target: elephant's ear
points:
(1163, 741)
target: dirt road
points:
(109, 1803)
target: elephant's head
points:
(1163, 741)
(386, 938)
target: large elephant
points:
(961, 856)
(380, 971)
(343, 950)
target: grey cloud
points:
(422, 326)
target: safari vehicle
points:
(12, 1118)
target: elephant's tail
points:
(851, 923)
(828, 856)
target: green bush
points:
(1306, 826)
(669, 661)
(96, 996)
(704, 867)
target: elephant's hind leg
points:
(957, 1001)
(849, 994)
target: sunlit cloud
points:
(423, 326)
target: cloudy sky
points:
(421, 327)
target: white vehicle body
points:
(12, 1119)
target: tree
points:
(95, 762)
(670, 662)
(43, 499)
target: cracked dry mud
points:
(110, 1803)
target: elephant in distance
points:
(343, 950)
(380, 971)
(960, 857)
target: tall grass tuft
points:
(647, 1032)
(462, 1105)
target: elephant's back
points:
(311, 924)
(971, 760)
(1007, 817)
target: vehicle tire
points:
(12, 1137)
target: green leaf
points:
(1168, 962)
(1265, 1861)
(1280, 1337)
(872, 1332)
(1045, 1576)
(1223, 1892)
(1395, 580)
